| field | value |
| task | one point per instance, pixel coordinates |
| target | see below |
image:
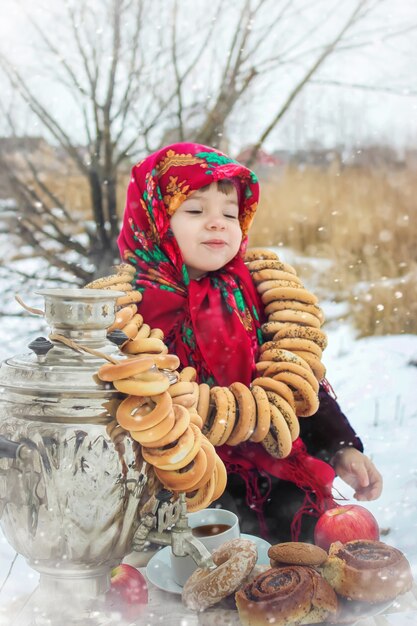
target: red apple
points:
(345, 523)
(128, 591)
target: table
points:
(166, 609)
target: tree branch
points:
(298, 88)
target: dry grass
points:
(365, 221)
(73, 191)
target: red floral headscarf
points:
(212, 324)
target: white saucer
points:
(158, 570)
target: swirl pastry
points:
(369, 571)
(286, 596)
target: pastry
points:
(369, 571)
(286, 596)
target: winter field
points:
(375, 379)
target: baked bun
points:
(369, 571)
(296, 553)
(285, 596)
(234, 561)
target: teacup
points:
(213, 527)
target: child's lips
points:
(215, 243)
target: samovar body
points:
(69, 488)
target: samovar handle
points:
(12, 450)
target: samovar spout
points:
(184, 543)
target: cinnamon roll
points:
(369, 571)
(286, 596)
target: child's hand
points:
(358, 471)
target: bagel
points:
(188, 374)
(306, 400)
(186, 478)
(230, 418)
(136, 346)
(254, 254)
(278, 387)
(195, 418)
(132, 297)
(181, 423)
(266, 275)
(120, 286)
(143, 332)
(156, 432)
(166, 361)
(157, 333)
(122, 318)
(303, 371)
(262, 366)
(303, 332)
(181, 388)
(291, 316)
(125, 268)
(263, 414)
(178, 456)
(246, 418)
(269, 329)
(294, 305)
(203, 404)
(187, 400)
(137, 387)
(289, 293)
(271, 351)
(220, 482)
(314, 362)
(125, 368)
(278, 442)
(268, 285)
(219, 423)
(287, 411)
(297, 343)
(270, 264)
(200, 498)
(110, 281)
(132, 327)
(131, 418)
(211, 462)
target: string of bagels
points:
(178, 425)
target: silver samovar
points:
(75, 498)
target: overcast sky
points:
(385, 111)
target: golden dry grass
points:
(365, 221)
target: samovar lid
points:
(82, 317)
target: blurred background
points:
(319, 98)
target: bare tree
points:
(147, 70)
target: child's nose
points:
(216, 223)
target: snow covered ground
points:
(375, 380)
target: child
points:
(188, 212)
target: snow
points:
(375, 380)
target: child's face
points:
(207, 229)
